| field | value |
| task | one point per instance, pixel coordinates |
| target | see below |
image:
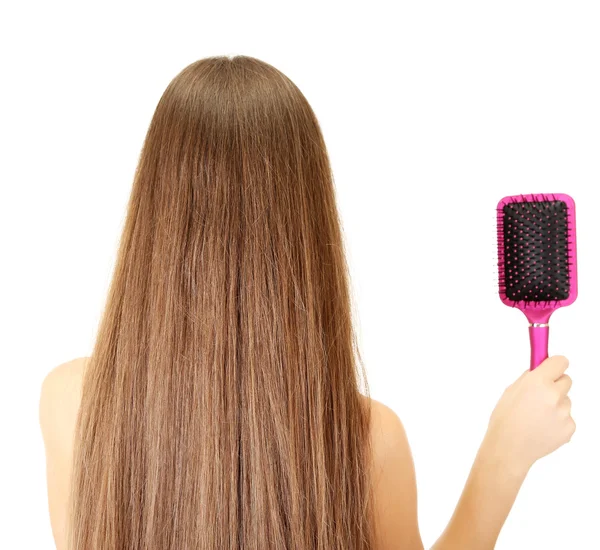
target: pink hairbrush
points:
(537, 260)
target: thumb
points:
(553, 367)
(523, 375)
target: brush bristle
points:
(536, 254)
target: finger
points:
(570, 428)
(553, 367)
(563, 384)
(566, 404)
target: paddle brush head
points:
(537, 260)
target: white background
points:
(432, 112)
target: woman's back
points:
(221, 403)
(392, 468)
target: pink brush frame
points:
(539, 313)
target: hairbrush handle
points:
(538, 338)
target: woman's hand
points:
(531, 419)
(533, 416)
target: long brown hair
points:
(222, 404)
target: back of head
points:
(221, 405)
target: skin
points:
(531, 419)
(59, 403)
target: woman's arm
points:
(58, 407)
(394, 483)
(487, 498)
(531, 420)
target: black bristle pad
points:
(536, 255)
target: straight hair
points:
(221, 405)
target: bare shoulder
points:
(388, 436)
(394, 481)
(68, 372)
(60, 394)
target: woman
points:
(221, 407)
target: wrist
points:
(499, 458)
